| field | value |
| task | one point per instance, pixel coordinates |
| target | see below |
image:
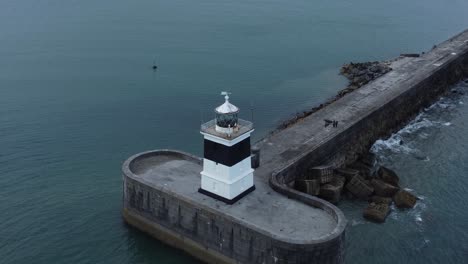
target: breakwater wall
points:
(215, 236)
(380, 108)
(161, 187)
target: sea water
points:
(78, 95)
(431, 158)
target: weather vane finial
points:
(226, 95)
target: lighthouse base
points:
(225, 200)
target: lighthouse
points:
(227, 171)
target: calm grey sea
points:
(78, 96)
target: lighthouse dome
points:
(226, 115)
(227, 108)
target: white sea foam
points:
(442, 105)
(399, 142)
(424, 135)
(355, 222)
(417, 211)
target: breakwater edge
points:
(373, 111)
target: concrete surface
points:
(160, 187)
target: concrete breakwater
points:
(267, 226)
(374, 111)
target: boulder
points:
(311, 187)
(380, 200)
(358, 187)
(388, 176)
(384, 189)
(376, 212)
(404, 199)
(332, 191)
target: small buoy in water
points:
(155, 67)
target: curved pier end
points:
(161, 187)
(161, 198)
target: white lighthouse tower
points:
(227, 171)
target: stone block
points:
(340, 179)
(404, 199)
(311, 187)
(388, 176)
(384, 189)
(368, 159)
(347, 172)
(332, 191)
(324, 174)
(376, 212)
(380, 200)
(364, 169)
(359, 188)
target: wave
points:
(434, 116)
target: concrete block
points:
(358, 187)
(311, 187)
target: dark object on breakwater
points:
(333, 122)
(362, 73)
(161, 199)
(410, 55)
(279, 226)
(358, 75)
(255, 158)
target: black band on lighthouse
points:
(225, 155)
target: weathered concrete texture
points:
(374, 111)
(160, 188)
(161, 198)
